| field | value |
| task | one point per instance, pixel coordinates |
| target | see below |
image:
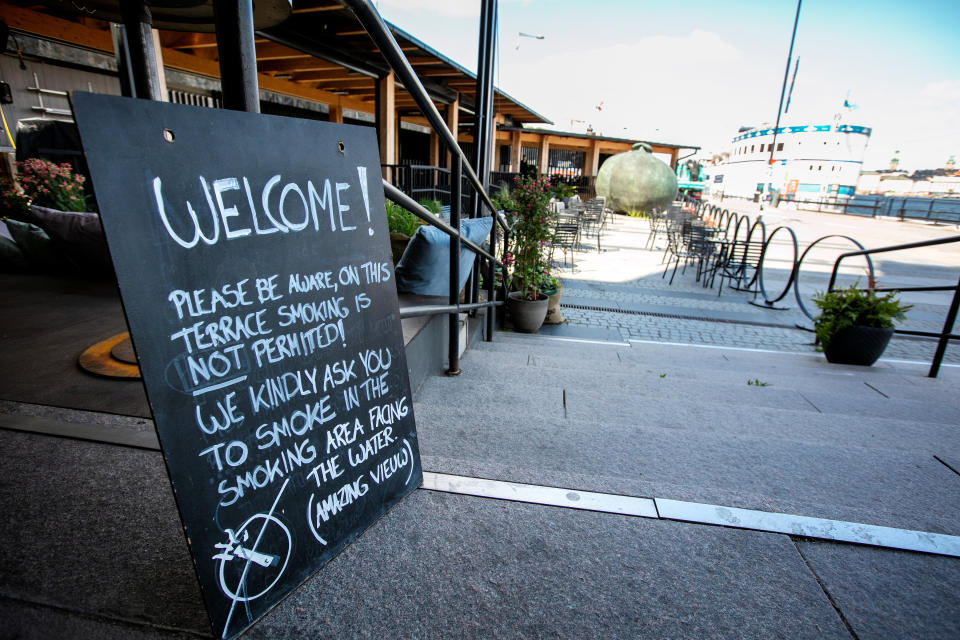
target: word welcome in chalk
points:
(287, 209)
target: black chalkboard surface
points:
(254, 265)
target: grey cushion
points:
(11, 257)
(78, 234)
(41, 252)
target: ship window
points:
(780, 147)
(819, 167)
(811, 167)
(751, 148)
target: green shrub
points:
(433, 206)
(501, 198)
(399, 220)
(848, 307)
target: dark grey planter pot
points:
(526, 315)
(858, 345)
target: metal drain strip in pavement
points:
(697, 513)
(676, 316)
(656, 508)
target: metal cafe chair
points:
(566, 235)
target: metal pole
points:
(238, 55)
(783, 88)
(483, 126)
(453, 334)
(380, 34)
(947, 329)
(138, 32)
(121, 51)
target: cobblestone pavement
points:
(620, 289)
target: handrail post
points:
(490, 277)
(453, 333)
(947, 330)
(238, 55)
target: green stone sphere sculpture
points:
(636, 181)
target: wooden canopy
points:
(320, 53)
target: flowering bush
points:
(48, 185)
(531, 232)
(13, 201)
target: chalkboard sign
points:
(254, 266)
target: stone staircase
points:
(776, 432)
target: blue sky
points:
(693, 71)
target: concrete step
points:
(634, 374)
(596, 397)
(552, 352)
(911, 488)
(775, 423)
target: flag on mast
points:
(849, 106)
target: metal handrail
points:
(796, 289)
(417, 209)
(378, 31)
(383, 38)
(946, 334)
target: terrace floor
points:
(659, 397)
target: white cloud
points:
(449, 8)
(670, 88)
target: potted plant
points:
(402, 225)
(553, 288)
(527, 304)
(855, 325)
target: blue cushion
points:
(424, 268)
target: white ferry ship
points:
(808, 162)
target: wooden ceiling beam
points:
(303, 63)
(55, 28)
(423, 60)
(433, 73)
(360, 83)
(318, 9)
(274, 51)
(323, 75)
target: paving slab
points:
(643, 374)
(29, 621)
(929, 411)
(889, 594)
(614, 402)
(768, 422)
(902, 488)
(443, 566)
(94, 528)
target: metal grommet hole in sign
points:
(340, 147)
(168, 135)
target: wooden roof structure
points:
(320, 53)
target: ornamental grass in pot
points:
(855, 325)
